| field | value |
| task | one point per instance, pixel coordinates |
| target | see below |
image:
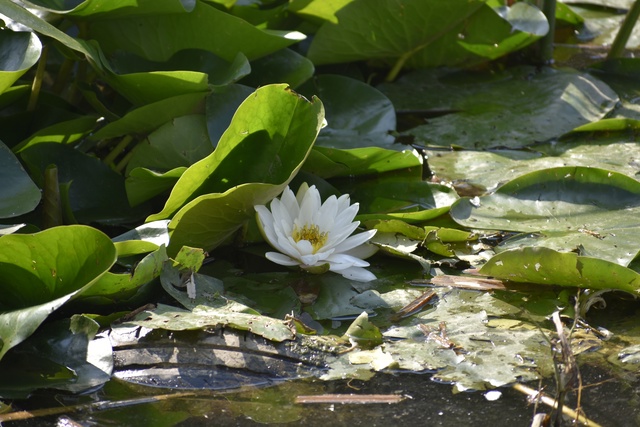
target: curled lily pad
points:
(40, 272)
(19, 51)
(546, 266)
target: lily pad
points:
(42, 271)
(174, 32)
(19, 51)
(546, 266)
(490, 169)
(19, 193)
(525, 105)
(203, 317)
(179, 143)
(61, 355)
(420, 32)
(357, 114)
(593, 208)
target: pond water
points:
(609, 401)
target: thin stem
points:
(546, 43)
(62, 78)
(123, 163)
(397, 67)
(37, 80)
(111, 157)
(51, 202)
(620, 42)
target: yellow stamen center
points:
(312, 234)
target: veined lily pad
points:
(595, 209)
(40, 272)
(546, 266)
(524, 106)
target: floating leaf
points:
(149, 117)
(179, 143)
(423, 33)
(42, 271)
(96, 192)
(357, 114)
(546, 266)
(579, 207)
(202, 317)
(525, 106)
(158, 37)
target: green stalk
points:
(111, 157)
(123, 163)
(620, 42)
(51, 204)
(37, 80)
(546, 43)
(397, 67)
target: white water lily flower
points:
(315, 235)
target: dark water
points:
(606, 400)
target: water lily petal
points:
(363, 251)
(340, 262)
(310, 204)
(355, 240)
(281, 259)
(337, 236)
(281, 214)
(302, 191)
(325, 216)
(290, 203)
(358, 274)
(266, 223)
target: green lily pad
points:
(221, 105)
(282, 66)
(87, 8)
(19, 52)
(490, 169)
(267, 140)
(334, 162)
(19, 194)
(96, 192)
(419, 33)
(363, 333)
(158, 37)
(546, 266)
(67, 132)
(593, 208)
(357, 114)
(151, 116)
(115, 288)
(143, 184)
(179, 143)
(42, 271)
(525, 105)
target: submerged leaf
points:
(203, 317)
